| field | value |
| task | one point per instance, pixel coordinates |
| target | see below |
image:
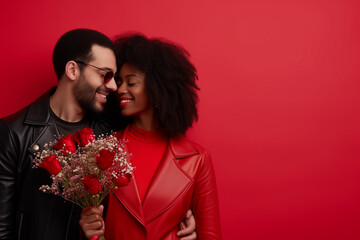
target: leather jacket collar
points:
(37, 116)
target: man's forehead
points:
(97, 50)
(104, 56)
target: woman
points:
(157, 93)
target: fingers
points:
(92, 223)
(188, 226)
(92, 230)
(91, 234)
(101, 209)
(189, 213)
(192, 236)
(93, 210)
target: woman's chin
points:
(126, 114)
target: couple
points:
(156, 95)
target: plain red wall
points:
(279, 107)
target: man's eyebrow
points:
(107, 69)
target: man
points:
(85, 64)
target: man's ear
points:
(72, 70)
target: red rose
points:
(92, 184)
(84, 136)
(105, 159)
(122, 180)
(51, 164)
(66, 144)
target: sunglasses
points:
(108, 74)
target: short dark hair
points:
(76, 45)
(170, 79)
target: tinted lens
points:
(108, 76)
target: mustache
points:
(104, 90)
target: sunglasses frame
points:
(108, 75)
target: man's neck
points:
(65, 106)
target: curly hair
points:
(170, 79)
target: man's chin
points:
(98, 107)
(94, 108)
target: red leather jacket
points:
(184, 179)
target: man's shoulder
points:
(16, 117)
(34, 112)
(10, 128)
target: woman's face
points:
(131, 93)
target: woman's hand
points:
(92, 223)
(188, 231)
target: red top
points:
(147, 149)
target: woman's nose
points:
(122, 89)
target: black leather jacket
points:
(25, 211)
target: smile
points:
(102, 97)
(125, 101)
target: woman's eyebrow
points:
(131, 75)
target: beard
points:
(85, 94)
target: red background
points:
(279, 107)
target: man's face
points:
(90, 89)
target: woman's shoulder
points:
(193, 158)
(197, 146)
(183, 144)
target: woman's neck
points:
(146, 122)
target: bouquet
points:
(84, 169)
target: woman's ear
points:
(72, 70)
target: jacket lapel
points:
(38, 115)
(130, 198)
(170, 182)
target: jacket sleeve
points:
(8, 159)
(205, 203)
